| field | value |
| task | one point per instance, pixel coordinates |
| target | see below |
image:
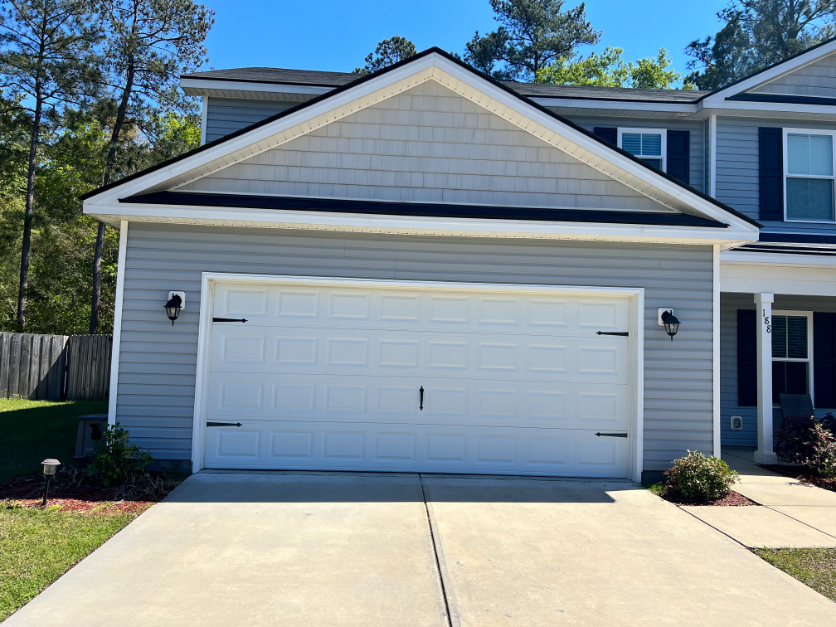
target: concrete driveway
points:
(361, 549)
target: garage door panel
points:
(241, 348)
(292, 396)
(379, 308)
(331, 377)
(410, 448)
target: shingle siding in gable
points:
(817, 79)
(156, 396)
(427, 145)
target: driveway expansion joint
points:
(452, 619)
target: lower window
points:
(791, 350)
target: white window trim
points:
(649, 131)
(809, 359)
(807, 131)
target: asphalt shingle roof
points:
(531, 90)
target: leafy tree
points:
(149, 43)
(759, 33)
(610, 70)
(532, 35)
(46, 61)
(388, 52)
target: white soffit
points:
(801, 275)
(460, 80)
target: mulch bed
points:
(85, 498)
(732, 499)
(804, 475)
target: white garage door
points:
(434, 380)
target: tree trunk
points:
(30, 210)
(100, 235)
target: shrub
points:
(795, 439)
(829, 423)
(823, 457)
(115, 459)
(697, 477)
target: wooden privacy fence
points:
(55, 367)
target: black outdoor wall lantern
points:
(670, 322)
(174, 305)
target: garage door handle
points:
(611, 435)
(229, 319)
(621, 333)
(223, 424)
(421, 407)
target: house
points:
(424, 269)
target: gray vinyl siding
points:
(737, 169)
(157, 360)
(816, 79)
(227, 115)
(729, 304)
(696, 128)
(427, 144)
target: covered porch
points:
(777, 336)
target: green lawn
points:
(37, 547)
(814, 567)
(31, 431)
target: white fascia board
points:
(770, 74)
(807, 276)
(458, 79)
(458, 227)
(776, 259)
(615, 105)
(731, 106)
(198, 87)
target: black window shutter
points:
(824, 359)
(679, 155)
(747, 359)
(605, 132)
(771, 173)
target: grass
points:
(38, 546)
(35, 430)
(813, 567)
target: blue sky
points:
(337, 35)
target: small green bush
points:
(115, 459)
(796, 439)
(697, 477)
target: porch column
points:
(765, 453)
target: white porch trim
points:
(117, 323)
(765, 453)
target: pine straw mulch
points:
(732, 499)
(805, 475)
(72, 491)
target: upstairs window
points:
(648, 144)
(791, 351)
(809, 176)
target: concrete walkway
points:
(794, 514)
(229, 549)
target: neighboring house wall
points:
(157, 360)
(227, 115)
(737, 168)
(729, 304)
(695, 128)
(816, 79)
(426, 145)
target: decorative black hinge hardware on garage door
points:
(229, 319)
(611, 435)
(223, 424)
(621, 333)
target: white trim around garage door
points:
(636, 343)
